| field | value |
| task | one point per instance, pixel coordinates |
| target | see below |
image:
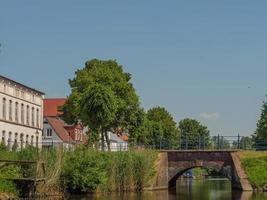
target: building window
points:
(37, 117)
(3, 141)
(37, 141)
(9, 140)
(49, 132)
(17, 93)
(22, 95)
(32, 138)
(4, 108)
(28, 115)
(17, 112)
(33, 98)
(10, 110)
(21, 140)
(15, 146)
(5, 90)
(32, 116)
(27, 140)
(22, 113)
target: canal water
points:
(186, 189)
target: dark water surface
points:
(209, 189)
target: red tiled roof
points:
(124, 137)
(51, 106)
(58, 126)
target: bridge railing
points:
(183, 142)
(198, 142)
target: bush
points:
(88, 170)
(84, 170)
(7, 187)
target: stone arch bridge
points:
(171, 164)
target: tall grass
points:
(89, 170)
(255, 165)
(81, 170)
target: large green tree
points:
(261, 131)
(170, 132)
(103, 97)
(193, 134)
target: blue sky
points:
(199, 59)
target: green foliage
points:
(3, 147)
(194, 133)
(246, 142)
(88, 170)
(102, 96)
(163, 122)
(261, 131)
(220, 143)
(8, 187)
(156, 128)
(84, 170)
(143, 168)
(98, 107)
(256, 170)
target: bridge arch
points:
(172, 164)
(176, 169)
(222, 169)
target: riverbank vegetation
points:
(88, 170)
(255, 165)
(81, 170)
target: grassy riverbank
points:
(88, 171)
(82, 170)
(255, 166)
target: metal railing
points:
(199, 142)
(184, 142)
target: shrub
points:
(84, 170)
(89, 170)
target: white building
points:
(117, 143)
(55, 131)
(21, 114)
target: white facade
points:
(116, 143)
(21, 114)
(51, 139)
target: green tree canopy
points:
(261, 131)
(102, 96)
(193, 134)
(170, 132)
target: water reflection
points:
(188, 189)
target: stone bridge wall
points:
(172, 164)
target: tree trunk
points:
(102, 141)
(107, 140)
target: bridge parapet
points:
(172, 164)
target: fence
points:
(184, 142)
(200, 142)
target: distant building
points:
(21, 114)
(56, 131)
(118, 143)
